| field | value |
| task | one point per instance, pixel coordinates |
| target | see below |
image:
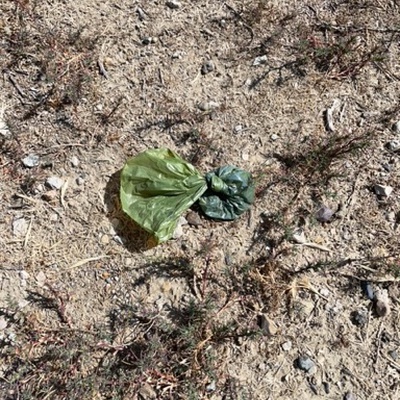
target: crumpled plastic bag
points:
(230, 193)
(157, 186)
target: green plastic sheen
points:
(157, 186)
(231, 192)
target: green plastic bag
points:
(230, 194)
(157, 186)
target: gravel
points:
(305, 363)
(30, 161)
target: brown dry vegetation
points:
(92, 310)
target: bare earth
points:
(89, 309)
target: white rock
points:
(383, 191)
(260, 60)
(3, 323)
(20, 226)
(208, 106)
(274, 137)
(74, 161)
(41, 278)
(178, 233)
(173, 4)
(23, 275)
(31, 160)
(80, 181)
(4, 130)
(287, 346)
(299, 237)
(245, 156)
(55, 182)
(238, 129)
(393, 145)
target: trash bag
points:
(157, 186)
(231, 193)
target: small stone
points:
(349, 396)
(391, 217)
(393, 145)
(396, 127)
(359, 317)
(267, 325)
(23, 275)
(260, 60)
(32, 160)
(324, 292)
(394, 355)
(245, 156)
(146, 392)
(274, 137)
(173, 4)
(207, 67)
(194, 219)
(80, 181)
(305, 307)
(54, 182)
(383, 191)
(208, 106)
(105, 239)
(22, 303)
(20, 226)
(382, 306)
(148, 40)
(3, 323)
(211, 387)
(41, 278)
(305, 363)
(74, 161)
(298, 236)
(237, 129)
(287, 346)
(368, 290)
(51, 196)
(178, 233)
(324, 214)
(54, 217)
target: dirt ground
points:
(305, 96)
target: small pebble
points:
(396, 127)
(173, 4)
(305, 363)
(394, 355)
(51, 196)
(41, 278)
(327, 387)
(208, 106)
(23, 275)
(20, 226)
(393, 145)
(3, 323)
(324, 214)
(207, 67)
(194, 219)
(383, 191)
(299, 237)
(80, 181)
(211, 387)
(237, 129)
(382, 306)
(54, 217)
(105, 239)
(274, 137)
(359, 317)
(349, 396)
(32, 160)
(74, 161)
(260, 60)
(55, 182)
(287, 346)
(368, 290)
(267, 325)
